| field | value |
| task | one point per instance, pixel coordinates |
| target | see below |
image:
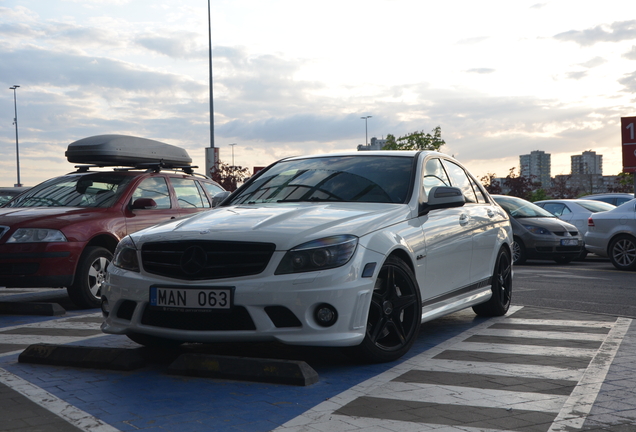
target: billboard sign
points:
(628, 137)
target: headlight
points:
(126, 255)
(321, 254)
(536, 230)
(36, 235)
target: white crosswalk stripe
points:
(547, 369)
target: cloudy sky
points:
(501, 78)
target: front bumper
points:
(538, 247)
(267, 307)
(33, 265)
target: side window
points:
(460, 180)
(212, 188)
(189, 194)
(434, 175)
(154, 188)
(554, 208)
(481, 198)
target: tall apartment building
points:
(536, 164)
(587, 162)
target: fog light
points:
(325, 315)
(105, 307)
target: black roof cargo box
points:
(124, 150)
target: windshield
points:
(88, 190)
(382, 179)
(519, 208)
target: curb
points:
(272, 371)
(31, 308)
(122, 359)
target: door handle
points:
(464, 218)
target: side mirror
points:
(218, 198)
(143, 204)
(441, 197)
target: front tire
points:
(622, 252)
(519, 255)
(86, 291)
(395, 315)
(499, 303)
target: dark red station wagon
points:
(63, 232)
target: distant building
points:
(376, 144)
(536, 164)
(587, 163)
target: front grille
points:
(566, 233)
(198, 260)
(282, 317)
(236, 319)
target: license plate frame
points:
(191, 299)
(569, 242)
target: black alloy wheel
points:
(499, 303)
(395, 315)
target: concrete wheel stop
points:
(274, 371)
(31, 308)
(122, 359)
(290, 372)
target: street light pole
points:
(366, 137)
(15, 122)
(211, 153)
(232, 145)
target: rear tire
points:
(622, 252)
(395, 315)
(499, 303)
(86, 291)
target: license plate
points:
(569, 242)
(191, 298)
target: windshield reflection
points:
(88, 190)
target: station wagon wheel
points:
(86, 291)
(622, 252)
(395, 314)
(501, 288)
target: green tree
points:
(538, 195)
(230, 176)
(492, 186)
(418, 140)
(625, 183)
(519, 186)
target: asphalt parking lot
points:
(536, 369)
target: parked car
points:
(611, 198)
(538, 234)
(7, 193)
(63, 232)
(613, 234)
(349, 250)
(576, 212)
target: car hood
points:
(286, 225)
(44, 217)
(552, 224)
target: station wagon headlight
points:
(36, 235)
(126, 255)
(537, 230)
(321, 254)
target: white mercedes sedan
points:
(351, 250)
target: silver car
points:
(613, 234)
(575, 211)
